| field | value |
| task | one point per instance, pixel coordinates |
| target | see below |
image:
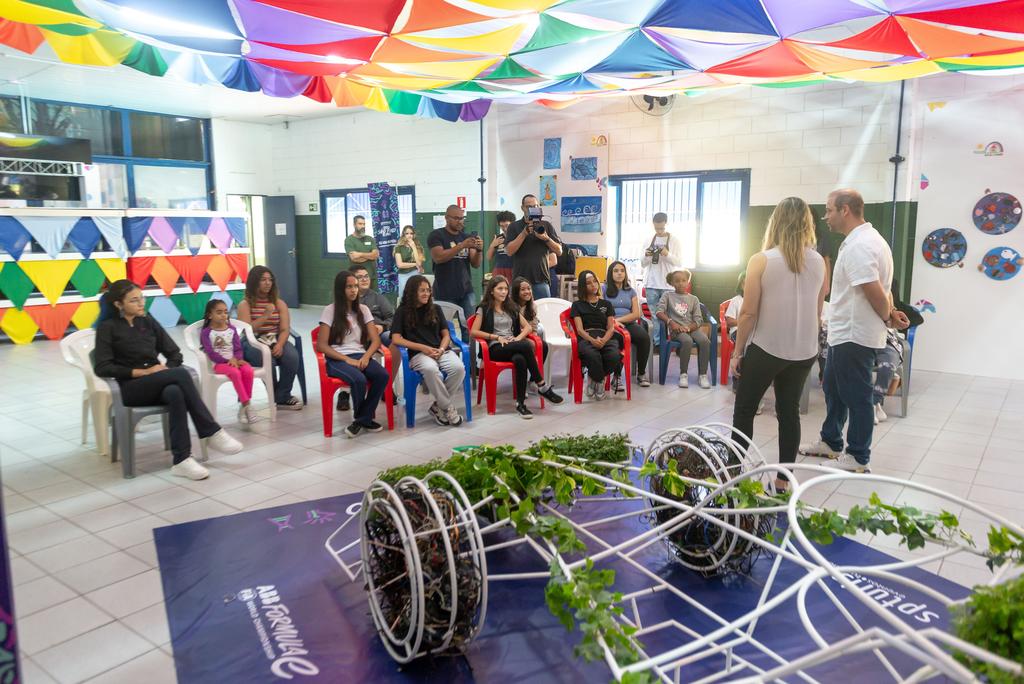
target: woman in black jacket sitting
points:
(129, 344)
(501, 323)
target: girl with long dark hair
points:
(500, 322)
(420, 326)
(348, 340)
(270, 319)
(129, 344)
(626, 301)
(597, 345)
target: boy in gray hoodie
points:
(680, 312)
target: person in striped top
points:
(268, 315)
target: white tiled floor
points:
(88, 594)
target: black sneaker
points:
(343, 404)
(354, 429)
(438, 415)
(524, 412)
(550, 395)
(372, 426)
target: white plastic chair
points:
(548, 311)
(75, 348)
(210, 381)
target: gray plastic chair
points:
(455, 314)
(125, 419)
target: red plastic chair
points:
(492, 369)
(329, 386)
(726, 344)
(576, 368)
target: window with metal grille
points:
(705, 212)
(339, 207)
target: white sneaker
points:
(684, 381)
(591, 388)
(599, 391)
(848, 462)
(880, 415)
(643, 381)
(454, 418)
(243, 415)
(191, 469)
(251, 415)
(224, 443)
(704, 382)
(819, 449)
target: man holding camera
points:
(453, 252)
(529, 241)
(662, 256)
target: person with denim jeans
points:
(860, 313)
(453, 253)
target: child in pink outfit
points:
(222, 343)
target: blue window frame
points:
(706, 210)
(191, 179)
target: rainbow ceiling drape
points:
(437, 59)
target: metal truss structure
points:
(40, 167)
(441, 542)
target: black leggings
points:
(174, 388)
(603, 361)
(641, 341)
(524, 355)
(758, 370)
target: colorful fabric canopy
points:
(435, 58)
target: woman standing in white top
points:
(777, 335)
(663, 255)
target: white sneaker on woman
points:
(224, 443)
(703, 381)
(191, 469)
(684, 381)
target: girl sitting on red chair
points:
(501, 323)
(348, 342)
(598, 346)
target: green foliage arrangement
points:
(993, 618)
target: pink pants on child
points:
(241, 378)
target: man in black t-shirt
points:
(529, 241)
(453, 252)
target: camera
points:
(655, 254)
(539, 229)
(534, 213)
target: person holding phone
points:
(529, 241)
(453, 252)
(496, 254)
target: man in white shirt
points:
(662, 256)
(860, 311)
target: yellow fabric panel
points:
(100, 48)
(1007, 60)
(19, 326)
(85, 315)
(898, 72)
(50, 277)
(463, 70)
(114, 269)
(826, 62)
(535, 5)
(376, 101)
(498, 42)
(30, 13)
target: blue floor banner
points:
(255, 597)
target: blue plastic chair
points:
(668, 346)
(413, 378)
(301, 375)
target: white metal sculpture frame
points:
(929, 648)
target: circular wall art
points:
(997, 213)
(1001, 263)
(944, 247)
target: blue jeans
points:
(848, 394)
(367, 386)
(287, 368)
(541, 290)
(653, 297)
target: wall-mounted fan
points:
(653, 105)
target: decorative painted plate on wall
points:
(997, 213)
(1001, 263)
(944, 247)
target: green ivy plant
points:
(993, 618)
(583, 599)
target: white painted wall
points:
(242, 159)
(977, 327)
